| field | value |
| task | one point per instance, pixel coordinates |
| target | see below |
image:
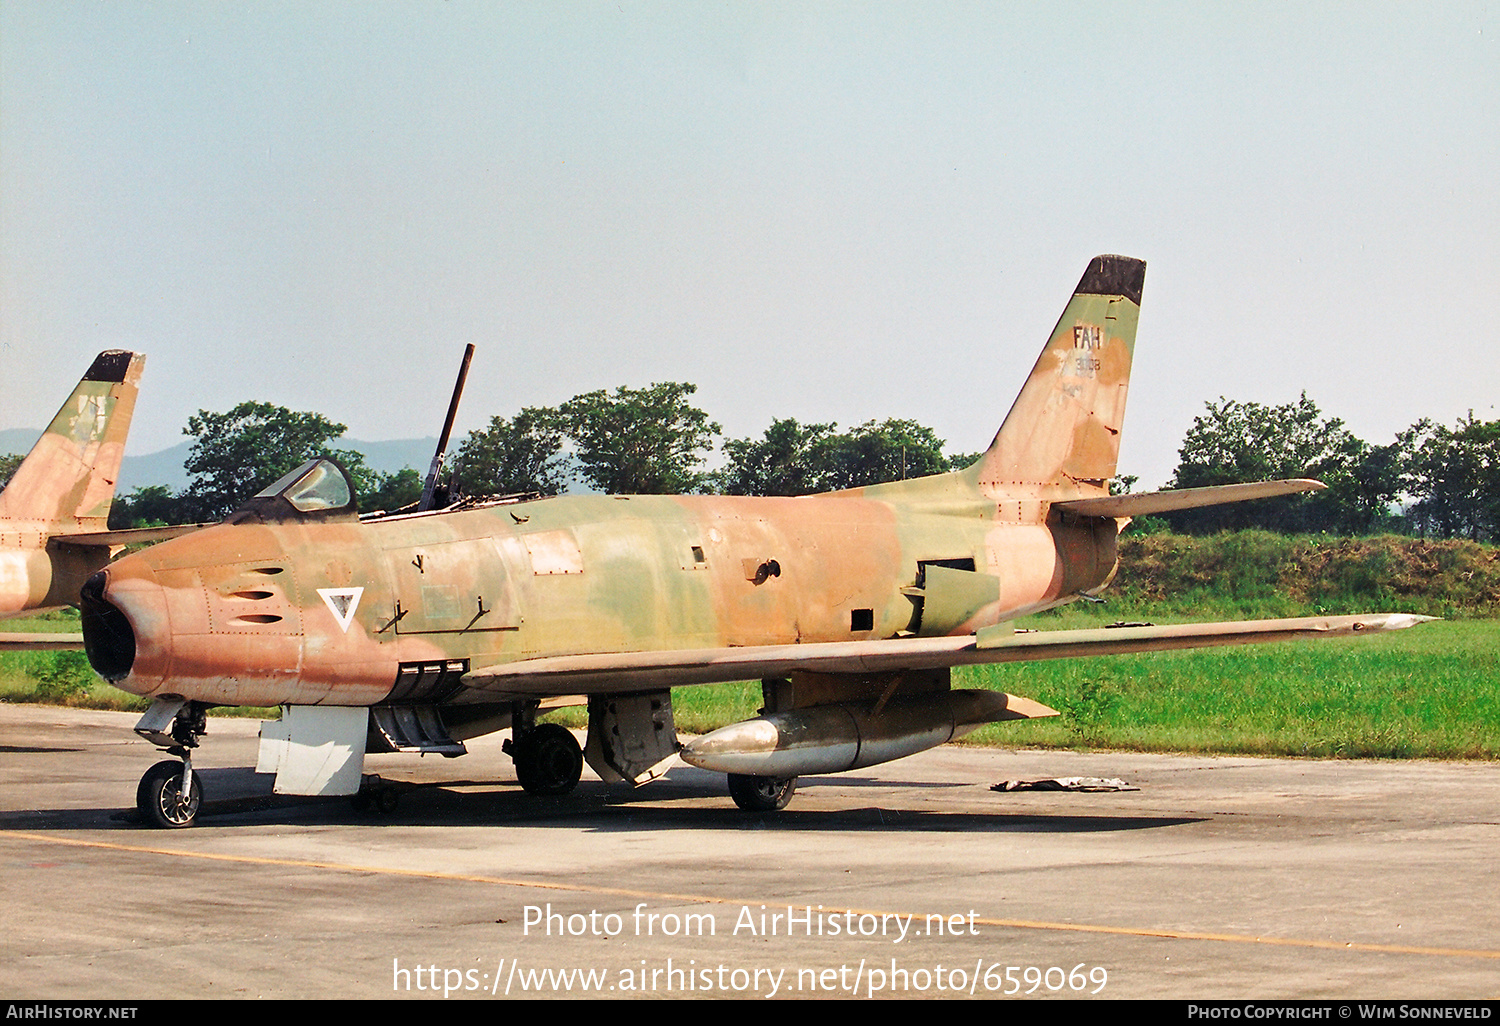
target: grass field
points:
(1429, 692)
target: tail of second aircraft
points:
(1061, 439)
(68, 480)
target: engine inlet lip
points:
(108, 638)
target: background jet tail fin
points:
(1061, 439)
(68, 479)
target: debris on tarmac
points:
(1066, 784)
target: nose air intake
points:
(108, 638)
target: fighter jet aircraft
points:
(54, 510)
(413, 633)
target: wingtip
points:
(1393, 621)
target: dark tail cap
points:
(110, 365)
(1114, 276)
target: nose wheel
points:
(169, 795)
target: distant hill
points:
(18, 440)
(165, 467)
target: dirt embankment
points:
(1449, 577)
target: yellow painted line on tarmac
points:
(625, 892)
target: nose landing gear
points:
(170, 793)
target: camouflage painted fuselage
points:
(329, 613)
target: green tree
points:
(640, 441)
(799, 459)
(1236, 442)
(786, 460)
(391, 491)
(891, 450)
(519, 455)
(1454, 478)
(150, 506)
(8, 464)
(236, 454)
(963, 460)
(1364, 497)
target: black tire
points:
(374, 794)
(159, 799)
(548, 760)
(761, 794)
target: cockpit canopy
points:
(319, 489)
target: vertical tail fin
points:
(1061, 439)
(68, 480)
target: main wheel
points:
(375, 793)
(761, 794)
(160, 800)
(548, 760)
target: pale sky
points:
(827, 211)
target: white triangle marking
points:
(342, 602)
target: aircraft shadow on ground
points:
(248, 802)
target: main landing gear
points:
(761, 794)
(376, 794)
(170, 793)
(547, 757)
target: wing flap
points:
(639, 671)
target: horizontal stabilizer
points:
(41, 642)
(632, 671)
(130, 535)
(1147, 503)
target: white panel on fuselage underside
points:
(315, 749)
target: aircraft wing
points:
(625, 671)
(1146, 503)
(40, 642)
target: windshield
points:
(316, 485)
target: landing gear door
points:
(315, 749)
(631, 737)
